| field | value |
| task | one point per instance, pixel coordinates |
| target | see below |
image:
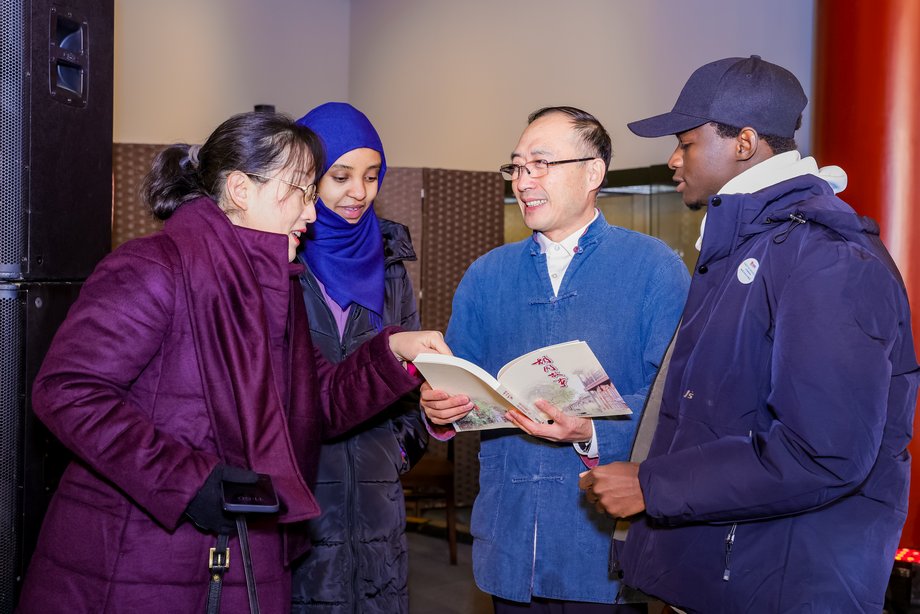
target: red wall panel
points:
(866, 111)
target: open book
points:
(568, 375)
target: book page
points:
(569, 376)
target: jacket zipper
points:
(729, 544)
(350, 485)
(349, 505)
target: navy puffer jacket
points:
(778, 475)
(359, 561)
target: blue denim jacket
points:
(535, 534)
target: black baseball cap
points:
(738, 92)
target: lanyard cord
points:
(247, 564)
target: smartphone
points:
(250, 497)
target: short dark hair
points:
(778, 144)
(254, 142)
(592, 132)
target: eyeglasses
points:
(537, 168)
(309, 191)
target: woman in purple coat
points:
(186, 358)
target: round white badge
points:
(747, 270)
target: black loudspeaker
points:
(31, 460)
(55, 225)
(55, 137)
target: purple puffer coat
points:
(132, 386)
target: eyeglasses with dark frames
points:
(536, 168)
(309, 191)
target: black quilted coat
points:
(359, 560)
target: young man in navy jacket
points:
(778, 474)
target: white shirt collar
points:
(559, 255)
(568, 244)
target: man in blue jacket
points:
(537, 546)
(778, 474)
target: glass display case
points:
(643, 199)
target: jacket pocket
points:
(488, 504)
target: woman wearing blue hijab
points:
(355, 283)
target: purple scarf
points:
(231, 339)
(346, 258)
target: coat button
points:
(716, 201)
(703, 269)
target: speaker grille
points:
(12, 32)
(10, 437)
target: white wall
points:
(450, 84)
(447, 83)
(183, 66)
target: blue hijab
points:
(346, 258)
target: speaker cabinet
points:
(55, 225)
(55, 137)
(31, 460)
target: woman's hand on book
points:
(441, 408)
(407, 345)
(560, 427)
